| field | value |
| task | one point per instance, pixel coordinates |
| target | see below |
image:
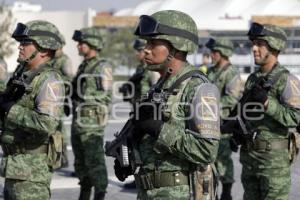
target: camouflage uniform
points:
(266, 164)
(63, 64)
(90, 99)
(30, 140)
(3, 74)
(229, 83)
(179, 148)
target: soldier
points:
(3, 74)
(227, 78)
(30, 108)
(140, 82)
(176, 148)
(205, 63)
(64, 65)
(91, 96)
(265, 159)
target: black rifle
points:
(15, 88)
(123, 147)
(236, 121)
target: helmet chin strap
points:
(27, 60)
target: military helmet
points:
(174, 26)
(139, 44)
(275, 36)
(45, 34)
(223, 45)
(63, 40)
(92, 36)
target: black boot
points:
(99, 195)
(226, 192)
(85, 193)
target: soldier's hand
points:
(260, 95)
(122, 172)
(150, 126)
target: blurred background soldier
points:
(205, 63)
(140, 82)
(3, 74)
(31, 107)
(174, 150)
(265, 159)
(91, 96)
(63, 64)
(227, 78)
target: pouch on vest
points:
(203, 184)
(294, 145)
(55, 150)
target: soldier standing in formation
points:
(63, 64)
(91, 96)
(177, 147)
(31, 107)
(140, 82)
(265, 159)
(227, 78)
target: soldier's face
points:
(156, 51)
(83, 48)
(261, 52)
(26, 49)
(215, 57)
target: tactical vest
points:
(201, 179)
(53, 145)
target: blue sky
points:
(98, 5)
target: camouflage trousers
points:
(266, 184)
(224, 162)
(26, 190)
(181, 192)
(89, 162)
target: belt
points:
(270, 145)
(17, 149)
(159, 179)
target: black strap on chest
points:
(190, 74)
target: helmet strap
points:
(27, 60)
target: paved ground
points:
(65, 187)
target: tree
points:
(118, 46)
(5, 37)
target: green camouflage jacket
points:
(229, 83)
(92, 93)
(29, 124)
(282, 112)
(178, 147)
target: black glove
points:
(5, 107)
(259, 94)
(122, 172)
(149, 126)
